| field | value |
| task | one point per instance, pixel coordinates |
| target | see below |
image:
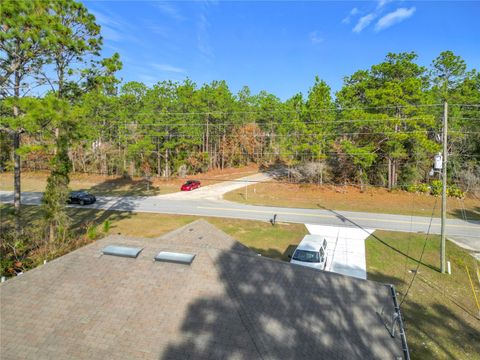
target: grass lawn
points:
(441, 316)
(349, 198)
(118, 186)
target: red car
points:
(190, 185)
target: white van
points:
(311, 252)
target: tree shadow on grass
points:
(437, 324)
(470, 215)
(125, 186)
(346, 220)
(430, 319)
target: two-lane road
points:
(466, 233)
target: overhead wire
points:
(419, 261)
(300, 111)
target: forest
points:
(381, 128)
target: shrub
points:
(469, 178)
(411, 188)
(452, 190)
(436, 188)
(106, 226)
(16, 250)
(417, 188)
(310, 172)
(423, 188)
(92, 232)
(455, 191)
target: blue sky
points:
(279, 46)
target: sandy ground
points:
(216, 191)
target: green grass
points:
(440, 312)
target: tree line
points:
(382, 127)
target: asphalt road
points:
(465, 233)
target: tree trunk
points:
(394, 173)
(16, 158)
(167, 170)
(223, 149)
(389, 174)
(16, 167)
(159, 159)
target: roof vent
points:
(125, 251)
(174, 257)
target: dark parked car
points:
(81, 197)
(190, 185)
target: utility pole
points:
(444, 185)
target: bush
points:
(436, 188)
(455, 191)
(452, 190)
(410, 188)
(310, 172)
(423, 188)
(418, 188)
(106, 226)
(16, 250)
(92, 232)
(469, 178)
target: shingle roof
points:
(228, 304)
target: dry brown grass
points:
(118, 186)
(375, 200)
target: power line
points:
(273, 136)
(421, 254)
(331, 109)
(295, 121)
(465, 105)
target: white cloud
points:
(394, 18)
(169, 10)
(364, 22)
(351, 14)
(382, 3)
(315, 38)
(110, 34)
(168, 68)
(104, 19)
(114, 28)
(203, 37)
